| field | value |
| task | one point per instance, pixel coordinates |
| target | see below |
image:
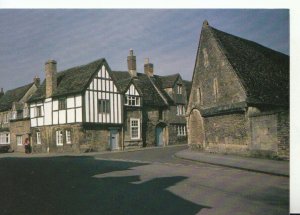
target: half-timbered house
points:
(91, 108)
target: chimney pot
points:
(131, 62)
(148, 68)
(51, 81)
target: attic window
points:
(132, 101)
(179, 89)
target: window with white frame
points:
(59, 138)
(19, 140)
(135, 128)
(4, 138)
(179, 89)
(180, 110)
(181, 130)
(68, 136)
(38, 138)
(132, 100)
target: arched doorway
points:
(196, 130)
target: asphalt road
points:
(149, 181)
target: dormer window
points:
(179, 89)
(132, 100)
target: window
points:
(180, 110)
(4, 138)
(132, 101)
(135, 128)
(62, 104)
(19, 140)
(181, 130)
(199, 96)
(103, 106)
(38, 138)
(179, 89)
(59, 138)
(216, 89)
(68, 137)
(38, 111)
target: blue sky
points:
(168, 37)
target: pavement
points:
(273, 167)
(267, 166)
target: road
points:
(149, 181)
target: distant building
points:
(239, 101)
(14, 115)
(92, 108)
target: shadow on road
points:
(65, 185)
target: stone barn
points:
(239, 102)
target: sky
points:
(168, 37)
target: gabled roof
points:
(70, 81)
(168, 81)
(142, 82)
(263, 72)
(13, 95)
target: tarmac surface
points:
(146, 181)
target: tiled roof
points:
(13, 95)
(150, 94)
(263, 72)
(70, 81)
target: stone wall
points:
(227, 133)
(20, 128)
(48, 138)
(174, 138)
(283, 132)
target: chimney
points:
(36, 81)
(148, 68)
(131, 62)
(51, 82)
(1, 92)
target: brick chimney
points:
(148, 68)
(1, 92)
(36, 81)
(131, 62)
(51, 81)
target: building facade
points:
(239, 101)
(14, 116)
(92, 108)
